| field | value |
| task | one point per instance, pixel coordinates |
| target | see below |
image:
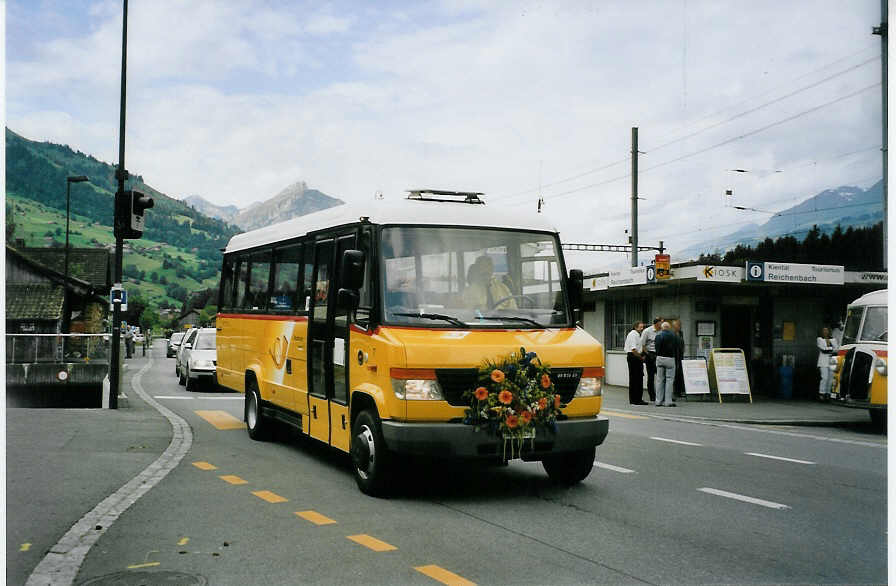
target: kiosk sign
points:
(663, 264)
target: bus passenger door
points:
(328, 334)
(320, 344)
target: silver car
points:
(199, 359)
(174, 344)
(188, 337)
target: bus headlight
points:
(416, 384)
(880, 365)
(591, 382)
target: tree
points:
(207, 313)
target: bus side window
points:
(259, 275)
(287, 266)
(225, 302)
(241, 277)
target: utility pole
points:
(634, 236)
(121, 174)
(882, 31)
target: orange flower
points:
(512, 421)
(497, 376)
(505, 397)
(545, 381)
(526, 416)
(543, 403)
(557, 401)
(481, 393)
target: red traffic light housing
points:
(129, 209)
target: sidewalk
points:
(738, 409)
(62, 462)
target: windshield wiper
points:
(448, 318)
(512, 318)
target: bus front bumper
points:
(457, 440)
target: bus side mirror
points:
(576, 288)
(351, 279)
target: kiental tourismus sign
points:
(663, 264)
(785, 272)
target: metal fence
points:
(59, 348)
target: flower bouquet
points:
(514, 396)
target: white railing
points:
(58, 348)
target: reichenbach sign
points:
(785, 272)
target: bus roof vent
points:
(447, 196)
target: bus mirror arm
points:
(576, 289)
(348, 298)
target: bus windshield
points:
(875, 327)
(472, 277)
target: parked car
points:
(174, 343)
(188, 338)
(198, 359)
(139, 338)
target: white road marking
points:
(779, 458)
(240, 398)
(613, 468)
(740, 497)
(672, 441)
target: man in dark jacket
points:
(666, 348)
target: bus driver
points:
(485, 289)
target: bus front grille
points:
(456, 381)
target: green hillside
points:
(179, 253)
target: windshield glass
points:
(875, 327)
(472, 277)
(205, 341)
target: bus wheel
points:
(258, 425)
(370, 458)
(879, 419)
(570, 467)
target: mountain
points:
(180, 250)
(206, 207)
(843, 206)
(295, 200)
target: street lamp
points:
(68, 191)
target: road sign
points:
(663, 263)
(651, 274)
(118, 294)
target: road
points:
(667, 502)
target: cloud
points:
(494, 97)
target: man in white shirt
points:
(635, 358)
(648, 342)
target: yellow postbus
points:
(365, 326)
(860, 375)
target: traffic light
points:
(129, 209)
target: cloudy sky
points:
(234, 101)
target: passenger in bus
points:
(485, 290)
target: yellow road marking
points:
(315, 517)
(184, 541)
(233, 479)
(444, 576)
(221, 419)
(146, 565)
(269, 496)
(625, 415)
(205, 466)
(371, 542)
(25, 547)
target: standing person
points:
(128, 342)
(666, 347)
(827, 346)
(679, 356)
(648, 342)
(635, 358)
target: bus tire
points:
(257, 424)
(570, 467)
(371, 461)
